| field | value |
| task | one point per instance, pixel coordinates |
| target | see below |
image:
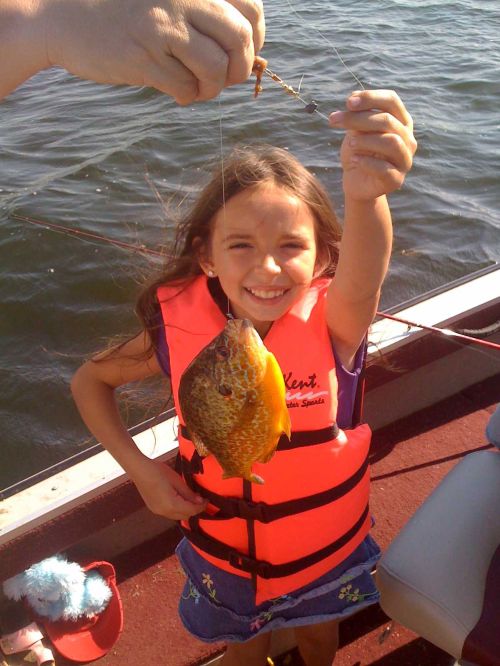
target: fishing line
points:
(312, 106)
(221, 138)
(332, 46)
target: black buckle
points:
(251, 510)
(256, 511)
(250, 565)
(241, 562)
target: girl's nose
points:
(270, 265)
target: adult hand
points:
(379, 145)
(189, 49)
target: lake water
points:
(116, 161)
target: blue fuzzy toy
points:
(60, 590)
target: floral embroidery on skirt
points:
(218, 606)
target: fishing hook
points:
(309, 107)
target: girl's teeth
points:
(266, 294)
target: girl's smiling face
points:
(263, 250)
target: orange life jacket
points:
(312, 511)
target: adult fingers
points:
(253, 10)
(213, 39)
(170, 76)
(204, 66)
(231, 33)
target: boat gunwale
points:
(115, 487)
(97, 448)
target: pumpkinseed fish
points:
(232, 398)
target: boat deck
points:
(409, 459)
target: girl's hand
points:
(164, 491)
(379, 145)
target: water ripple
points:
(117, 161)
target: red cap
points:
(87, 639)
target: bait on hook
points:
(260, 68)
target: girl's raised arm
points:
(376, 154)
(93, 387)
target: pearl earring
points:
(211, 274)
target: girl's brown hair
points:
(246, 166)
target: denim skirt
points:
(219, 606)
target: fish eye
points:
(225, 390)
(222, 353)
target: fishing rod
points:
(143, 249)
(446, 332)
(70, 231)
(260, 68)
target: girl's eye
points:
(293, 245)
(239, 246)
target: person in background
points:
(262, 239)
(188, 49)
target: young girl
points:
(263, 243)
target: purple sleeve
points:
(347, 379)
(162, 347)
(347, 385)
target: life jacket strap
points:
(195, 464)
(298, 439)
(262, 568)
(235, 507)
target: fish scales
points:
(232, 400)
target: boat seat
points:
(440, 577)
